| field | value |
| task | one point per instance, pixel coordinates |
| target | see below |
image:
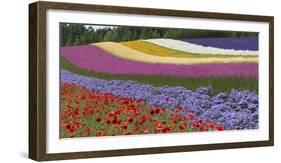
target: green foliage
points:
(76, 34)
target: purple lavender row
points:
(234, 110)
(239, 43)
(93, 58)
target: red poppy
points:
(152, 112)
(98, 119)
(124, 127)
(131, 120)
(77, 102)
(174, 121)
(136, 129)
(138, 101)
(158, 124)
(116, 120)
(83, 97)
(211, 125)
(84, 113)
(191, 116)
(117, 112)
(108, 121)
(99, 134)
(112, 113)
(128, 133)
(181, 119)
(182, 127)
(157, 111)
(219, 128)
(163, 122)
(77, 126)
(165, 130)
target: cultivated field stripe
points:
(125, 52)
(220, 84)
(153, 49)
(193, 48)
(237, 43)
(93, 58)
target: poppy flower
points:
(165, 130)
(219, 128)
(77, 102)
(182, 127)
(157, 111)
(108, 121)
(212, 126)
(128, 133)
(191, 116)
(112, 113)
(124, 127)
(131, 120)
(163, 122)
(136, 129)
(77, 126)
(99, 134)
(174, 121)
(83, 97)
(98, 119)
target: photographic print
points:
(130, 80)
(116, 80)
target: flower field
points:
(216, 108)
(194, 48)
(96, 59)
(91, 113)
(127, 53)
(153, 49)
(158, 85)
(242, 43)
(219, 84)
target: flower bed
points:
(240, 43)
(127, 53)
(220, 84)
(234, 110)
(89, 113)
(154, 49)
(92, 58)
(194, 48)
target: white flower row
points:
(193, 48)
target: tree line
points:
(77, 34)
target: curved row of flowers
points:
(127, 53)
(237, 43)
(194, 48)
(96, 59)
(237, 109)
(156, 50)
